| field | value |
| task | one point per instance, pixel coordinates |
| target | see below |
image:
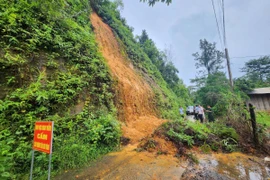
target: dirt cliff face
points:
(135, 99)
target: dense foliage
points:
(257, 74)
(229, 104)
(216, 136)
(212, 85)
(51, 70)
(143, 55)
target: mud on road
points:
(129, 164)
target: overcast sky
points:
(183, 23)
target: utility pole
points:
(226, 50)
(229, 67)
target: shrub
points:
(49, 62)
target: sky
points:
(184, 22)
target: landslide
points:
(135, 98)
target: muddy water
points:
(131, 165)
(228, 166)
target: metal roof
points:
(260, 91)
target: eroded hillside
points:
(135, 98)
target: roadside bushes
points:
(213, 135)
(51, 70)
(78, 138)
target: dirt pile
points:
(135, 99)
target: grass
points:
(263, 118)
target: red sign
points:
(43, 136)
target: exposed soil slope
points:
(135, 97)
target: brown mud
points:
(131, 165)
(135, 98)
(149, 156)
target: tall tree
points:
(258, 69)
(210, 58)
(144, 37)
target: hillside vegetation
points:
(51, 70)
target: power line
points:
(224, 28)
(217, 22)
(249, 56)
(220, 13)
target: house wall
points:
(260, 101)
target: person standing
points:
(200, 113)
(181, 111)
(210, 114)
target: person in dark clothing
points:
(210, 114)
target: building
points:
(260, 98)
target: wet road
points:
(130, 165)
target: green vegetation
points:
(256, 75)
(163, 61)
(212, 136)
(51, 70)
(263, 118)
(210, 58)
(148, 60)
(257, 71)
(229, 104)
(212, 85)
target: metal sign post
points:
(32, 164)
(50, 158)
(43, 140)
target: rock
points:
(266, 159)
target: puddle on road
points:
(234, 166)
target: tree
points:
(210, 58)
(258, 69)
(244, 84)
(144, 37)
(119, 4)
(152, 2)
(215, 86)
